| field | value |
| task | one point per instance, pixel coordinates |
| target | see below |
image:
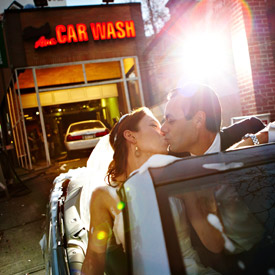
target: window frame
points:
(169, 179)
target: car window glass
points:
(86, 126)
(240, 205)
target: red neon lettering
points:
(43, 42)
(82, 32)
(120, 29)
(59, 37)
(52, 41)
(71, 34)
(39, 42)
(111, 31)
(98, 30)
(130, 28)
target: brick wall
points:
(253, 55)
(22, 52)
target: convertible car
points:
(159, 238)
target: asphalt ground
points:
(23, 216)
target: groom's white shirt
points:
(215, 146)
(271, 131)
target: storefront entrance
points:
(44, 100)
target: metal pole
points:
(19, 126)
(23, 121)
(84, 73)
(17, 149)
(41, 119)
(80, 86)
(15, 127)
(125, 86)
(139, 83)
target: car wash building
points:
(70, 64)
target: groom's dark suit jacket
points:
(234, 133)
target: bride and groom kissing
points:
(192, 126)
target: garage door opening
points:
(51, 97)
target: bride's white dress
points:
(118, 227)
(97, 166)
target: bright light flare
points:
(101, 235)
(241, 52)
(120, 205)
(203, 55)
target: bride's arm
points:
(261, 136)
(100, 231)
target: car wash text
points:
(79, 33)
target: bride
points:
(135, 138)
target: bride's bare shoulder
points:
(104, 193)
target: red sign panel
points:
(79, 33)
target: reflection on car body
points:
(159, 237)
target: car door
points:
(145, 245)
(243, 185)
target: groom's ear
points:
(129, 136)
(199, 119)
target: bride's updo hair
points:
(130, 122)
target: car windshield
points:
(85, 126)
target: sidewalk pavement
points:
(22, 220)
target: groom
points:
(193, 123)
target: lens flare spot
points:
(101, 235)
(120, 205)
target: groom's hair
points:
(130, 122)
(199, 97)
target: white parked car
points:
(84, 135)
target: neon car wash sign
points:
(80, 33)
